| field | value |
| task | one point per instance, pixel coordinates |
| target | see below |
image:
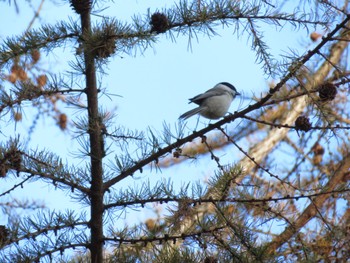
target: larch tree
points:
(284, 198)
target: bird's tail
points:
(190, 113)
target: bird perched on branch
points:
(214, 103)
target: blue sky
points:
(154, 86)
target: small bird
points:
(214, 103)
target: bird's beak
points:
(238, 94)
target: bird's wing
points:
(209, 93)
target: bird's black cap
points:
(230, 86)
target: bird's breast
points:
(215, 107)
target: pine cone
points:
(327, 92)
(210, 259)
(317, 149)
(302, 123)
(4, 235)
(81, 6)
(159, 23)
